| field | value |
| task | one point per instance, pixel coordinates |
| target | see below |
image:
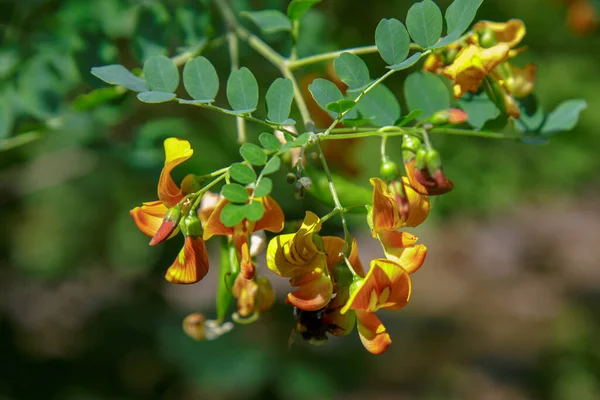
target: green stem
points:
(384, 138)
(356, 133)
(234, 56)
(206, 188)
(335, 211)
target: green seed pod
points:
(389, 171)
(191, 225)
(433, 160)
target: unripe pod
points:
(389, 171)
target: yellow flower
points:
(508, 33)
(272, 221)
(520, 81)
(253, 295)
(473, 64)
(387, 285)
(296, 256)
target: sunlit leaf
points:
(424, 22)
(253, 154)
(235, 193)
(254, 211)
(269, 141)
(340, 106)
(460, 14)
(119, 75)
(381, 106)
(200, 79)
(233, 214)
(264, 187)
(409, 62)
(161, 74)
(155, 97)
(242, 173)
(426, 91)
(392, 41)
(479, 108)
(564, 118)
(242, 90)
(279, 100)
(352, 70)
(325, 92)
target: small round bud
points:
(291, 178)
(433, 160)
(420, 160)
(487, 39)
(389, 170)
(191, 225)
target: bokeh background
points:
(507, 305)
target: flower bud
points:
(410, 146)
(291, 178)
(420, 159)
(168, 226)
(191, 184)
(487, 38)
(191, 226)
(433, 160)
(306, 182)
(193, 326)
(389, 170)
(450, 116)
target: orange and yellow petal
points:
(387, 285)
(418, 205)
(472, 65)
(273, 219)
(340, 324)
(313, 294)
(385, 207)
(176, 152)
(149, 217)
(509, 33)
(245, 291)
(242, 245)
(191, 265)
(213, 225)
(372, 332)
(520, 81)
(401, 248)
(333, 246)
(292, 254)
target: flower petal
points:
(149, 217)
(273, 219)
(213, 225)
(509, 33)
(245, 291)
(333, 247)
(313, 295)
(418, 205)
(340, 324)
(372, 332)
(242, 245)
(385, 208)
(191, 265)
(176, 152)
(387, 285)
(401, 248)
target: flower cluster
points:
(481, 59)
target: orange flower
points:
(387, 285)
(253, 295)
(301, 257)
(149, 217)
(160, 219)
(422, 182)
(508, 33)
(272, 221)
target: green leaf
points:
(269, 141)
(242, 173)
(200, 79)
(269, 21)
(96, 98)
(228, 270)
(279, 100)
(6, 117)
(355, 122)
(161, 74)
(155, 97)
(235, 193)
(253, 154)
(352, 70)
(272, 165)
(426, 91)
(479, 108)
(564, 118)
(254, 211)
(242, 90)
(451, 38)
(460, 14)
(424, 22)
(233, 214)
(325, 92)
(340, 106)
(264, 187)
(532, 114)
(299, 142)
(119, 75)
(298, 8)
(411, 116)
(392, 41)
(409, 62)
(381, 106)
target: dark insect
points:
(311, 325)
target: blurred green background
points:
(507, 305)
